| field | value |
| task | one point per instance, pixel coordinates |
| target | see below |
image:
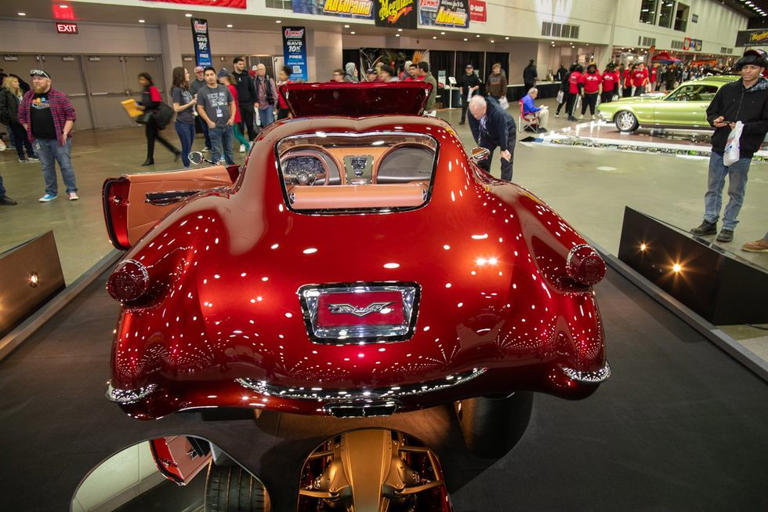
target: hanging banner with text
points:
(202, 42)
(295, 52)
(344, 8)
(751, 37)
(396, 13)
(478, 10)
(237, 4)
(444, 13)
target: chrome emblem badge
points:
(373, 307)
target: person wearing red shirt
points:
(627, 81)
(573, 91)
(284, 77)
(610, 83)
(589, 84)
(639, 79)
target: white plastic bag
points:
(560, 96)
(732, 148)
(504, 102)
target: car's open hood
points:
(355, 99)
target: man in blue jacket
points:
(744, 100)
(492, 127)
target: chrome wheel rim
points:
(625, 121)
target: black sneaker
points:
(725, 235)
(7, 201)
(705, 228)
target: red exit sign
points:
(67, 28)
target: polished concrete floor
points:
(589, 186)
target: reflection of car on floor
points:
(357, 266)
(685, 107)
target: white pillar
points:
(169, 42)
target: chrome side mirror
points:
(479, 154)
(196, 157)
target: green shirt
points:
(431, 99)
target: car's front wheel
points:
(626, 121)
(492, 426)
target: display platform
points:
(605, 135)
(679, 426)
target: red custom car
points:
(355, 265)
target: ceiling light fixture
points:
(142, 21)
(399, 30)
(278, 21)
(346, 26)
(353, 32)
(21, 13)
(434, 37)
(63, 6)
(442, 33)
(492, 41)
(188, 15)
(507, 38)
(466, 39)
(229, 25)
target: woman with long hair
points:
(184, 106)
(227, 79)
(10, 98)
(150, 103)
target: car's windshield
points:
(335, 172)
(693, 92)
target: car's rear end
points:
(266, 299)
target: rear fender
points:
(180, 458)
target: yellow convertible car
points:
(685, 107)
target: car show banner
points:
(752, 37)
(295, 52)
(202, 42)
(444, 13)
(237, 4)
(345, 8)
(478, 10)
(396, 13)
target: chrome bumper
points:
(128, 396)
(594, 377)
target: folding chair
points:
(528, 120)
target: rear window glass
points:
(337, 172)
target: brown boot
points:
(756, 246)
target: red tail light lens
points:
(129, 281)
(585, 266)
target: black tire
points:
(625, 121)
(233, 489)
(492, 426)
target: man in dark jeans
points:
(246, 95)
(469, 85)
(493, 126)
(744, 100)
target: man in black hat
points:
(48, 117)
(469, 85)
(744, 100)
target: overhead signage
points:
(295, 52)
(202, 42)
(692, 44)
(67, 28)
(478, 10)
(444, 13)
(344, 8)
(237, 4)
(396, 13)
(752, 37)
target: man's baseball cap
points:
(39, 72)
(468, 66)
(370, 71)
(199, 69)
(754, 56)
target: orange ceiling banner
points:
(237, 4)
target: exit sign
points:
(66, 28)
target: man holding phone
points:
(744, 100)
